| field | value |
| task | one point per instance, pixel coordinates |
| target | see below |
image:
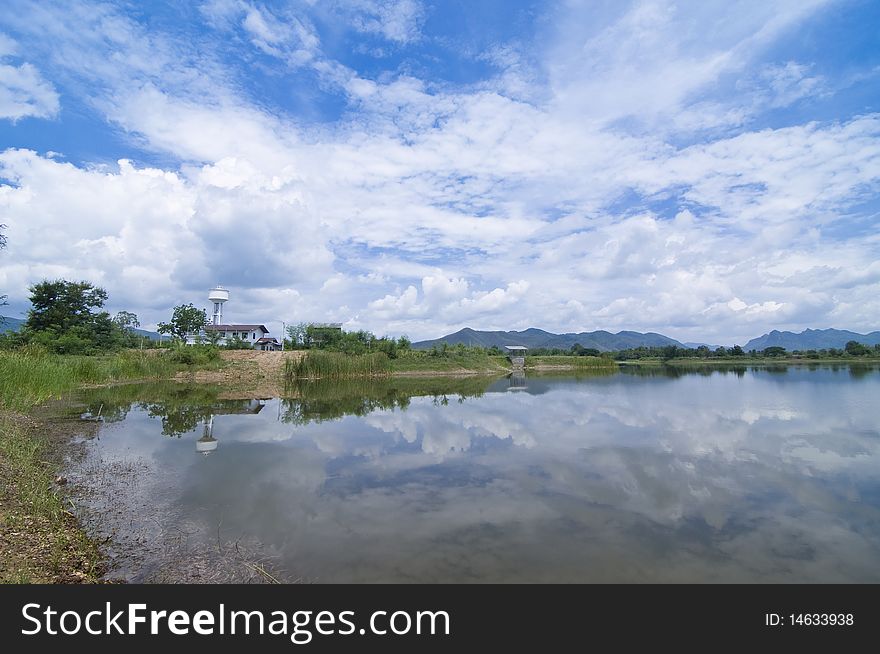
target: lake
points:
(651, 475)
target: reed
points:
(30, 375)
(336, 365)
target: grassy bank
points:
(452, 362)
(40, 540)
(30, 376)
(569, 363)
(318, 364)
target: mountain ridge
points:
(533, 337)
(811, 339)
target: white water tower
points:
(218, 296)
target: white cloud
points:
(396, 20)
(428, 206)
(24, 92)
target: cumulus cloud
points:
(626, 190)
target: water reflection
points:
(741, 474)
(517, 381)
(207, 443)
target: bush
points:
(191, 355)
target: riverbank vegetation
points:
(853, 352)
(570, 362)
(32, 375)
(336, 365)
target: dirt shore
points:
(253, 372)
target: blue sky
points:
(709, 170)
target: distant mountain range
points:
(534, 338)
(811, 339)
(15, 324)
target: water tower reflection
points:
(207, 443)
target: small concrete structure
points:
(517, 355)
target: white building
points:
(257, 336)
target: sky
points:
(708, 170)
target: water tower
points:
(218, 296)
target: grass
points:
(335, 365)
(40, 540)
(451, 362)
(30, 376)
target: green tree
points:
(126, 321)
(737, 351)
(185, 319)
(774, 351)
(298, 334)
(856, 349)
(65, 317)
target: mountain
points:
(534, 338)
(811, 339)
(10, 324)
(153, 336)
(15, 324)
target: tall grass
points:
(335, 365)
(30, 375)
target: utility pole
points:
(283, 330)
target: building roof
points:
(516, 348)
(266, 339)
(235, 328)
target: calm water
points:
(749, 475)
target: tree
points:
(737, 351)
(186, 319)
(298, 334)
(856, 349)
(126, 321)
(65, 317)
(774, 351)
